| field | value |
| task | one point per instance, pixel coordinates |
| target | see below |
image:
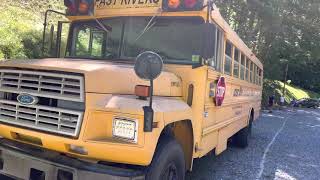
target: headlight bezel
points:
(134, 138)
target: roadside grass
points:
(292, 92)
(298, 93)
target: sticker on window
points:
(195, 58)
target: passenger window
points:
(82, 44)
(218, 49)
(97, 40)
(251, 72)
(260, 77)
(228, 58)
(236, 66)
(255, 74)
(242, 67)
(89, 43)
(247, 69)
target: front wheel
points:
(168, 162)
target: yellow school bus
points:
(83, 115)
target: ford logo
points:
(27, 99)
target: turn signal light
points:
(142, 91)
(173, 4)
(182, 5)
(83, 7)
(79, 7)
(190, 3)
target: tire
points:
(241, 139)
(168, 162)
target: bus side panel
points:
(196, 77)
(220, 123)
(227, 132)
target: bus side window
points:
(216, 61)
(257, 75)
(260, 77)
(218, 50)
(236, 63)
(228, 58)
(251, 71)
(242, 67)
(254, 73)
(247, 69)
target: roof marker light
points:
(83, 7)
(190, 3)
(174, 4)
(71, 5)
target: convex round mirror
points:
(148, 65)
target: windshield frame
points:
(120, 57)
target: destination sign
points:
(122, 4)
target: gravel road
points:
(285, 145)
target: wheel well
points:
(252, 114)
(182, 131)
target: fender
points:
(167, 111)
(172, 109)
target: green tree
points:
(276, 29)
(21, 24)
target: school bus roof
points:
(152, 13)
(231, 35)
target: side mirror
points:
(209, 40)
(148, 66)
(54, 49)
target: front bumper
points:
(22, 161)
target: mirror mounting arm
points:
(148, 111)
(148, 66)
(151, 93)
(45, 26)
(210, 7)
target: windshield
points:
(175, 39)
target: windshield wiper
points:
(150, 24)
(107, 29)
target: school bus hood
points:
(102, 76)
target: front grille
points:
(59, 109)
(43, 118)
(43, 84)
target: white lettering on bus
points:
(101, 3)
(220, 91)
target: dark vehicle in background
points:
(307, 103)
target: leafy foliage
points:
(286, 29)
(21, 27)
(292, 92)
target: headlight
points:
(125, 128)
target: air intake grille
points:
(42, 84)
(44, 118)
